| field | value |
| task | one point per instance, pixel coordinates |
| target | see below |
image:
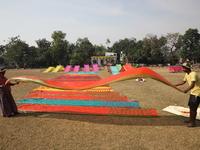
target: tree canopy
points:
(150, 50)
(191, 45)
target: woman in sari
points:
(7, 103)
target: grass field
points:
(61, 131)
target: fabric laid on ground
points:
(76, 93)
(76, 68)
(133, 104)
(100, 100)
(126, 75)
(68, 68)
(91, 110)
(126, 67)
(118, 98)
(81, 74)
(114, 70)
(96, 72)
(77, 78)
(49, 69)
(58, 68)
(175, 69)
(95, 67)
(119, 66)
(95, 89)
(181, 111)
(86, 68)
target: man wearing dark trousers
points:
(194, 87)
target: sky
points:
(98, 20)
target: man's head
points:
(186, 67)
(2, 72)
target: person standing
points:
(7, 103)
(194, 87)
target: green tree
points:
(70, 51)
(83, 52)
(2, 50)
(99, 50)
(156, 47)
(108, 42)
(126, 46)
(142, 52)
(173, 43)
(44, 58)
(59, 49)
(191, 44)
(31, 58)
(16, 52)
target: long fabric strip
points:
(96, 72)
(126, 75)
(83, 97)
(75, 93)
(45, 88)
(133, 104)
(131, 112)
(86, 90)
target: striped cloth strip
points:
(45, 87)
(52, 89)
(133, 112)
(103, 98)
(80, 75)
(83, 72)
(87, 90)
(99, 90)
(130, 112)
(133, 104)
(75, 93)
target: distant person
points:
(194, 87)
(7, 103)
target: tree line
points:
(151, 50)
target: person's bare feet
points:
(190, 125)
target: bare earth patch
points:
(42, 130)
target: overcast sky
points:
(97, 20)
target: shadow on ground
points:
(115, 120)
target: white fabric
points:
(181, 111)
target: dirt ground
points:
(61, 131)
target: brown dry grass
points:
(41, 130)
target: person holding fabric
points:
(7, 103)
(194, 87)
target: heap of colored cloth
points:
(99, 100)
